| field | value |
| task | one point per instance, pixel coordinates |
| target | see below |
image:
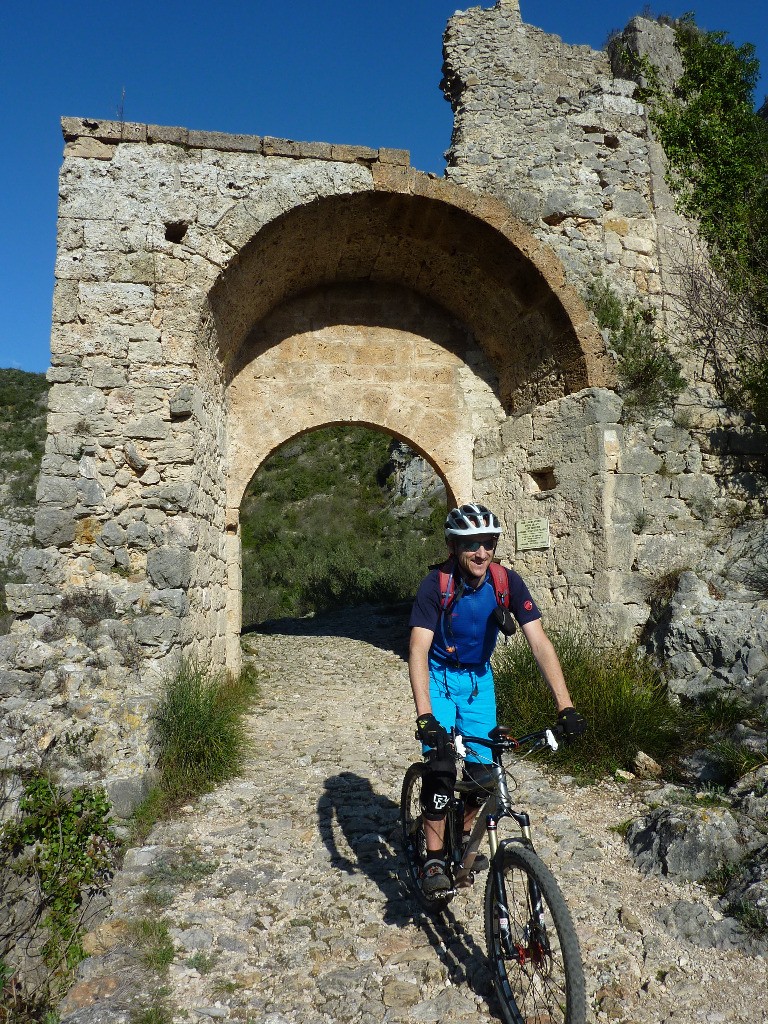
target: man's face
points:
(474, 564)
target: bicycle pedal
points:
(440, 897)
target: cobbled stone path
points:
(284, 890)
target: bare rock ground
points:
(284, 891)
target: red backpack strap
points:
(447, 584)
(500, 580)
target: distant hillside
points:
(23, 401)
(321, 529)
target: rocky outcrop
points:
(711, 641)
(415, 486)
(721, 842)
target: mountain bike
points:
(533, 950)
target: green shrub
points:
(735, 760)
(153, 939)
(619, 692)
(717, 148)
(22, 430)
(649, 375)
(200, 730)
(57, 852)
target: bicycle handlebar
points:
(544, 737)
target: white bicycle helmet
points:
(471, 521)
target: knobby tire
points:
(537, 970)
(414, 840)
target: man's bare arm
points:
(418, 668)
(548, 662)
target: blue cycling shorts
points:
(464, 698)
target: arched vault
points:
(468, 254)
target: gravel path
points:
(284, 890)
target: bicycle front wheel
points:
(414, 839)
(532, 944)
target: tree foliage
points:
(717, 147)
(318, 529)
(716, 142)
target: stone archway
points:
(429, 313)
(216, 295)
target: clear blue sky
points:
(363, 72)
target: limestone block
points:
(29, 598)
(158, 631)
(352, 154)
(120, 303)
(169, 567)
(90, 493)
(624, 498)
(485, 468)
(145, 349)
(108, 377)
(517, 432)
(184, 530)
(75, 400)
(137, 535)
(117, 131)
(60, 491)
(393, 177)
(629, 203)
(316, 150)
(135, 460)
(174, 600)
(168, 134)
(136, 268)
(169, 497)
(182, 402)
(125, 794)
(113, 535)
(148, 428)
(89, 149)
(226, 142)
(401, 157)
(41, 566)
(639, 459)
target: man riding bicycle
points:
(453, 634)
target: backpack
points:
(448, 595)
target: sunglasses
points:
(489, 543)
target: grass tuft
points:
(620, 693)
(200, 730)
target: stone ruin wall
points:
(170, 341)
(550, 129)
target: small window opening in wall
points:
(175, 231)
(544, 479)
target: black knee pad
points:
(437, 788)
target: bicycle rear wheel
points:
(414, 840)
(533, 948)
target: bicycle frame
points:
(497, 806)
(499, 803)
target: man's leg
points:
(437, 790)
(476, 716)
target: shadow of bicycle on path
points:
(367, 825)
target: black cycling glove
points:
(432, 734)
(571, 723)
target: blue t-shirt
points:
(468, 626)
